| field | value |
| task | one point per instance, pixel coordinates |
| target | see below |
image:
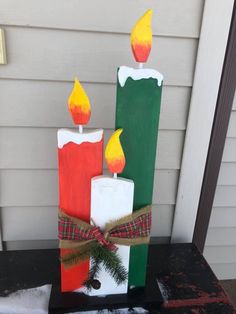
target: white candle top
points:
(65, 136)
(110, 198)
(137, 74)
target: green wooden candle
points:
(137, 113)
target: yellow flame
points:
(141, 37)
(142, 31)
(114, 153)
(79, 105)
(79, 98)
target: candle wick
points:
(115, 175)
(140, 65)
(80, 128)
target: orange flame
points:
(141, 37)
(79, 105)
(114, 153)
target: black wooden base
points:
(27, 269)
(186, 282)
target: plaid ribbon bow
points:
(69, 230)
(129, 230)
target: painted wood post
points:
(111, 199)
(137, 113)
(80, 157)
(138, 103)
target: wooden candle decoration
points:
(80, 157)
(112, 198)
(137, 113)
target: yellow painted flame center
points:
(114, 153)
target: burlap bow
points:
(133, 229)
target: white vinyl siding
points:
(48, 44)
(220, 248)
(214, 36)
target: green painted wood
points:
(137, 112)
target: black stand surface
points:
(28, 269)
(186, 282)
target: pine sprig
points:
(111, 262)
(93, 273)
(99, 255)
(113, 265)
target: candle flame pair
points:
(80, 109)
(79, 104)
(141, 43)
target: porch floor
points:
(230, 288)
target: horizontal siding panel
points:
(60, 55)
(162, 217)
(40, 187)
(221, 236)
(225, 196)
(169, 149)
(229, 154)
(220, 254)
(232, 125)
(179, 18)
(174, 107)
(165, 187)
(223, 217)
(36, 148)
(224, 271)
(227, 175)
(44, 104)
(29, 223)
(220, 250)
(40, 223)
(28, 188)
(31, 245)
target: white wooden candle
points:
(111, 199)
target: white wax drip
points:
(137, 74)
(65, 136)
